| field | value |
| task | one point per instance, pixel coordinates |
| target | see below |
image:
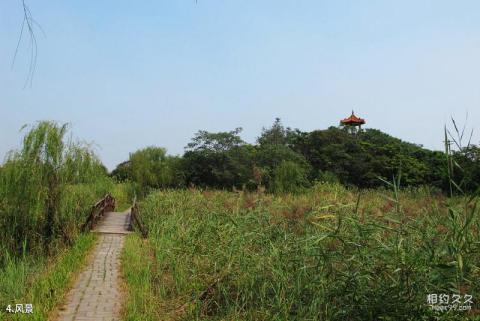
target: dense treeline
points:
(287, 160)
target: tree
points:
(34, 181)
(467, 171)
(289, 177)
(122, 172)
(277, 135)
(221, 160)
(269, 157)
(215, 142)
(364, 158)
(151, 167)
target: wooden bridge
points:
(96, 294)
(104, 220)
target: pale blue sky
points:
(128, 74)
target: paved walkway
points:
(96, 295)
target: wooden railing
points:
(106, 204)
(135, 219)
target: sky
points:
(129, 74)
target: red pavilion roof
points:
(353, 120)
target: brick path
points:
(96, 295)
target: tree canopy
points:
(286, 160)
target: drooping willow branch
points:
(28, 26)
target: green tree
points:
(467, 171)
(289, 177)
(221, 160)
(364, 158)
(34, 181)
(277, 134)
(270, 156)
(204, 141)
(122, 172)
(151, 167)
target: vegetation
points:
(317, 247)
(41, 281)
(224, 161)
(137, 270)
(327, 254)
(150, 168)
(323, 225)
(46, 189)
(220, 160)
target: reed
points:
(322, 255)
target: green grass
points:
(324, 255)
(137, 271)
(41, 282)
(120, 191)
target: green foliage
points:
(47, 189)
(38, 202)
(41, 282)
(289, 177)
(338, 152)
(327, 177)
(122, 172)
(122, 192)
(224, 160)
(150, 168)
(215, 142)
(325, 254)
(269, 157)
(221, 160)
(362, 158)
(468, 160)
(137, 270)
(277, 134)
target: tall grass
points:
(323, 255)
(462, 216)
(41, 281)
(137, 267)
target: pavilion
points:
(352, 124)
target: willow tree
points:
(33, 181)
